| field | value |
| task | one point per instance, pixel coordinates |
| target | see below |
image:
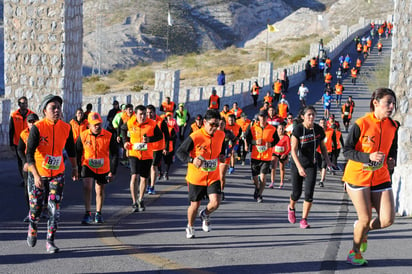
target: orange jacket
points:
(243, 124)
(313, 63)
(354, 72)
(369, 43)
(19, 124)
(359, 47)
(78, 128)
(161, 144)
(345, 65)
(339, 89)
(268, 99)
(358, 63)
(379, 45)
(96, 151)
(209, 147)
(255, 90)
(235, 129)
(328, 78)
(338, 136)
(374, 135)
(277, 87)
(261, 152)
(140, 150)
(365, 48)
(237, 113)
(282, 110)
(194, 127)
(214, 102)
(225, 114)
(168, 107)
(49, 153)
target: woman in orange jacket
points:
(371, 149)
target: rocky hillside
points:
(122, 33)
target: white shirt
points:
(303, 91)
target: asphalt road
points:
(247, 237)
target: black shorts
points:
(100, 179)
(197, 193)
(157, 157)
(140, 167)
(259, 167)
(377, 188)
(281, 160)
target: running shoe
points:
(356, 258)
(87, 218)
(260, 199)
(205, 221)
(321, 184)
(32, 236)
(304, 224)
(135, 208)
(98, 218)
(256, 193)
(140, 206)
(160, 176)
(291, 216)
(272, 184)
(190, 232)
(243, 163)
(281, 185)
(51, 247)
(151, 190)
(231, 170)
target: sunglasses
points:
(31, 121)
(213, 124)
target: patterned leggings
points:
(36, 198)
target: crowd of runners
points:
(146, 140)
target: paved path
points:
(247, 237)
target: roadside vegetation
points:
(198, 69)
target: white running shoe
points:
(190, 232)
(205, 221)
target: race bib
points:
(254, 93)
(327, 104)
(209, 165)
(140, 146)
(52, 162)
(279, 149)
(346, 113)
(261, 149)
(372, 166)
(96, 163)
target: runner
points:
(236, 110)
(97, 149)
(18, 123)
(280, 153)
(203, 175)
(21, 150)
(168, 106)
(306, 137)
(169, 152)
(260, 136)
(214, 100)
(233, 144)
(303, 92)
(371, 150)
(223, 166)
(244, 123)
(225, 112)
(45, 145)
(329, 141)
(354, 74)
(326, 102)
(346, 115)
(143, 133)
(254, 92)
(182, 116)
(339, 91)
(197, 124)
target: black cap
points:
(32, 117)
(49, 98)
(263, 113)
(199, 117)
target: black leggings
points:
(297, 183)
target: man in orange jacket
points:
(261, 136)
(203, 150)
(97, 150)
(18, 123)
(143, 132)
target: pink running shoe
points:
(304, 224)
(291, 216)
